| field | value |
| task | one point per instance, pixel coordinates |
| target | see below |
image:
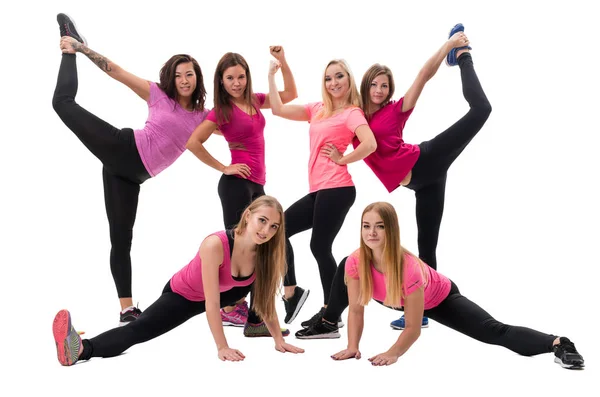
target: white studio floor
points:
(184, 361)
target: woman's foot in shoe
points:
(566, 355)
(68, 341)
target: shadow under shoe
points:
(320, 330)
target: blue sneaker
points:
(451, 59)
(400, 324)
(459, 27)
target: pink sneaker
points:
(242, 308)
(237, 317)
(68, 341)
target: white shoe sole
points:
(227, 323)
(567, 366)
(299, 306)
(396, 327)
(332, 335)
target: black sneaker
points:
(320, 330)
(68, 28)
(129, 315)
(294, 304)
(318, 317)
(566, 355)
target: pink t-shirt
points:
(437, 286)
(167, 130)
(245, 135)
(338, 129)
(393, 158)
(188, 281)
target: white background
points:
(519, 234)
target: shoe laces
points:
(66, 28)
(568, 346)
(242, 309)
(235, 314)
(317, 317)
(136, 310)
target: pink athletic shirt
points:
(167, 130)
(245, 135)
(393, 158)
(437, 286)
(338, 129)
(188, 281)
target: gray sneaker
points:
(68, 28)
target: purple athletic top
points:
(167, 130)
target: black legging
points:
(429, 173)
(123, 171)
(324, 211)
(236, 194)
(169, 311)
(460, 314)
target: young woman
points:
(334, 123)
(422, 168)
(129, 157)
(237, 115)
(227, 265)
(383, 270)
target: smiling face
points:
(337, 81)
(234, 81)
(373, 230)
(263, 223)
(185, 79)
(380, 89)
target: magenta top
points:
(245, 135)
(393, 158)
(188, 281)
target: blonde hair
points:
(393, 259)
(270, 265)
(353, 98)
(365, 86)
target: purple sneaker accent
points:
(129, 315)
(242, 308)
(67, 340)
(235, 318)
(68, 28)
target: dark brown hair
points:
(167, 80)
(365, 86)
(222, 99)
